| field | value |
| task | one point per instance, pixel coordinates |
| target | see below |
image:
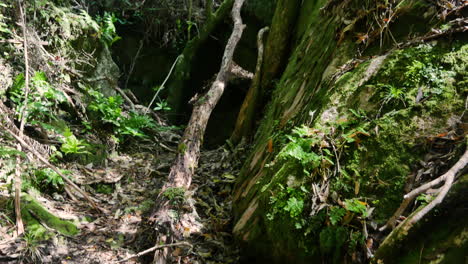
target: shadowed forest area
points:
(233, 131)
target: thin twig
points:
(149, 250)
(132, 66)
(162, 85)
(52, 167)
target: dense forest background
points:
(234, 131)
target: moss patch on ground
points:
(37, 218)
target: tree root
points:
(447, 178)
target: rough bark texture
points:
(274, 58)
(186, 161)
(245, 118)
(338, 84)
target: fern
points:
(108, 31)
(7, 152)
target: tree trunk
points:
(186, 161)
(275, 55)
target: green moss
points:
(35, 217)
(105, 188)
(376, 114)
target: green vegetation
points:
(175, 195)
(48, 180)
(363, 102)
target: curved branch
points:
(186, 161)
(447, 178)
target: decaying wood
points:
(149, 250)
(186, 161)
(447, 178)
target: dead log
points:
(186, 161)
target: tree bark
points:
(276, 53)
(186, 161)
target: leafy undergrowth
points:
(126, 189)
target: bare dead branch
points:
(149, 250)
(162, 85)
(240, 72)
(52, 167)
(447, 178)
(186, 161)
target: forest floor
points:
(126, 188)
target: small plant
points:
(42, 99)
(134, 125)
(3, 21)
(107, 109)
(393, 94)
(356, 206)
(108, 32)
(48, 179)
(336, 214)
(424, 199)
(162, 106)
(72, 145)
(32, 250)
(289, 201)
(175, 195)
(307, 146)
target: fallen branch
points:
(149, 250)
(52, 167)
(447, 178)
(186, 161)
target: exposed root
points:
(447, 178)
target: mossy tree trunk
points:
(336, 94)
(275, 56)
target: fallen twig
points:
(162, 85)
(52, 167)
(149, 250)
